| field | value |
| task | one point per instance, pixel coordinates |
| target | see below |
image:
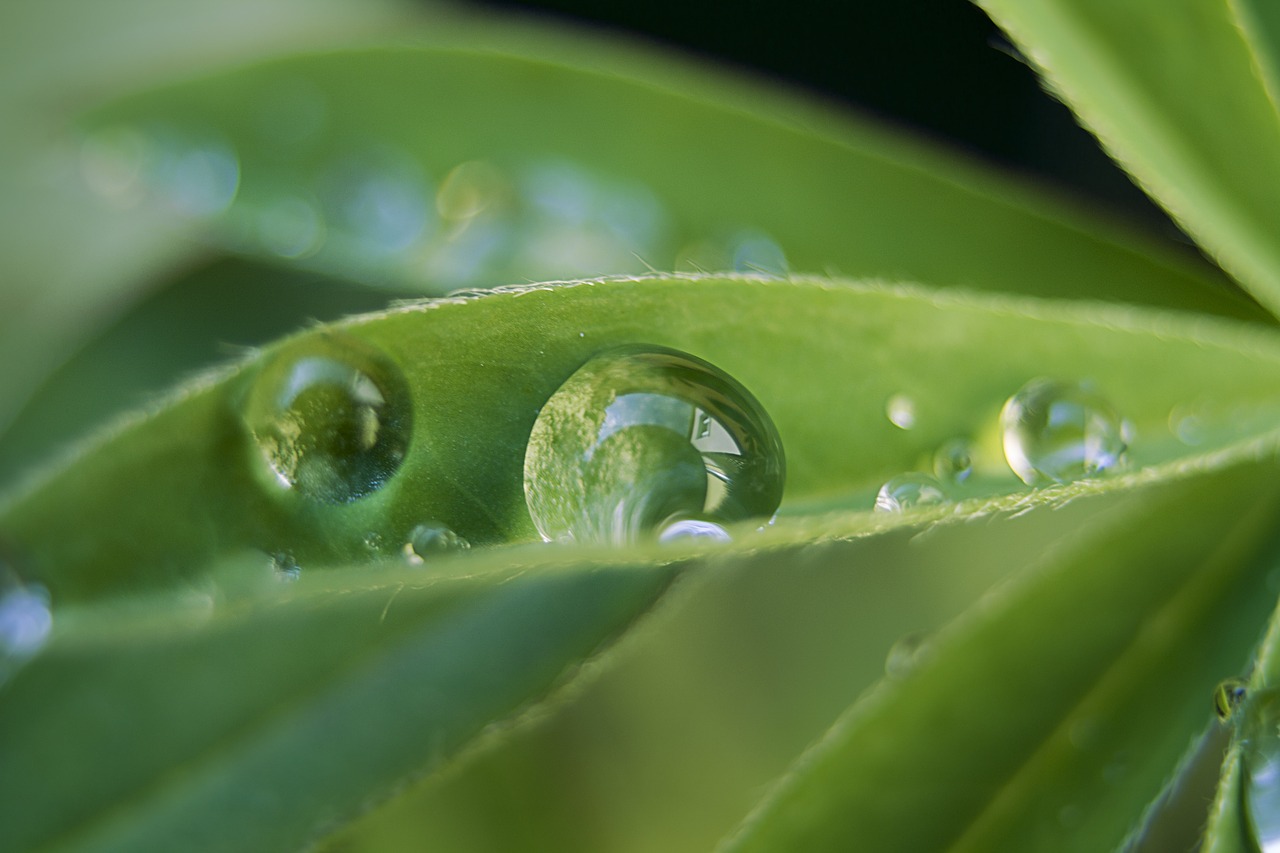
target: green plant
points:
(252, 652)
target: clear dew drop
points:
(953, 461)
(909, 490)
(1055, 432)
(1259, 735)
(330, 419)
(427, 541)
(643, 437)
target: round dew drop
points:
(642, 438)
(1055, 432)
(330, 418)
(908, 490)
(953, 462)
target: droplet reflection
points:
(641, 438)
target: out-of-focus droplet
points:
(26, 620)
(291, 227)
(1056, 431)
(953, 462)
(906, 654)
(430, 540)
(330, 418)
(285, 566)
(642, 437)
(909, 490)
(901, 411)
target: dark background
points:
(939, 67)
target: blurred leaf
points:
(70, 262)
(324, 160)
(479, 370)
(1176, 93)
(255, 720)
(1049, 715)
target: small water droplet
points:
(431, 540)
(200, 177)
(26, 620)
(469, 189)
(642, 436)
(953, 463)
(1187, 425)
(1259, 735)
(901, 411)
(112, 162)
(755, 251)
(690, 528)
(373, 541)
(1057, 431)
(379, 204)
(909, 490)
(330, 417)
(906, 654)
(285, 566)
(1227, 697)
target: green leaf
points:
(467, 183)
(477, 371)
(70, 261)
(258, 715)
(1176, 94)
(1049, 715)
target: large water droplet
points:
(1260, 754)
(907, 490)
(1060, 431)
(25, 621)
(641, 437)
(330, 418)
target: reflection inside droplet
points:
(909, 490)
(1057, 431)
(330, 418)
(690, 528)
(640, 438)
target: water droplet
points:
(1060, 431)
(432, 540)
(285, 566)
(1187, 425)
(690, 528)
(112, 162)
(1259, 735)
(909, 490)
(641, 437)
(25, 621)
(330, 417)
(953, 463)
(901, 411)
(373, 541)
(755, 251)
(290, 227)
(468, 190)
(380, 205)
(199, 177)
(906, 654)
(1227, 697)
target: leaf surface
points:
(438, 165)
(1178, 94)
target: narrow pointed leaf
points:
(146, 725)
(476, 372)
(437, 165)
(1108, 651)
(1176, 93)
